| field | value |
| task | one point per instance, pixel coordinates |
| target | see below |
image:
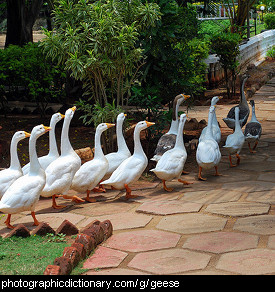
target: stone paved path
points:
(223, 226)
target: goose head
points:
(20, 135)
(143, 125)
(177, 101)
(39, 130)
(103, 127)
(57, 117)
(183, 117)
(70, 112)
(121, 117)
(215, 99)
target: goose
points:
(53, 152)
(168, 140)
(208, 154)
(215, 125)
(235, 141)
(253, 129)
(60, 173)
(244, 108)
(24, 193)
(92, 172)
(131, 168)
(123, 152)
(11, 174)
(171, 163)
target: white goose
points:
(11, 174)
(171, 163)
(253, 129)
(131, 168)
(215, 125)
(235, 141)
(92, 172)
(60, 173)
(208, 154)
(168, 140)
(53, 152)
(24, 193)
(243, 106)
(123, 152)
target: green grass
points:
(31, 255)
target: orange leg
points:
(238, 159)
(7, 222)
(35, 221)
(251, 150)
(199, 175)
(128, 192)
(256, 143)
(186, 183)
(230, 160)
(100, 188)
(74, 198)
(165, 187)
(216, 173)
(54, 205)
(185, 172)
(88, 199)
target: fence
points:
(252, 52)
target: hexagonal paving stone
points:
(249, 262)
(104, 258)
(168, 207)
(266, 166)
(116, 271)
(220, 242)
(262, 224)
(170, 261)
(249, 186)
(262, 197)
(238, 208)
(53, 219)
(126, 220)
(191, 223)
(142, 240)
(266, 176)
(271, 242)
(157, 194)
(211, 196)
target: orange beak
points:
(47, 129)
(73, 108)
(149, 124)
(27, 134)
(186, 96)
(110, 125)
(62, 116)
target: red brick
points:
(68, 228)
(42, 229)
(73, 254)
(80, 247)
(65, 264)
(107, 227)
(20, 230)
(87, 241)
(52, 270)
(95, 230)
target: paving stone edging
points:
(86, 241)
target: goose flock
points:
(56, 173)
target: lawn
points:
(31, 255)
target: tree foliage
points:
(97, 43)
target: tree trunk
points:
(21, 15)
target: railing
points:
(252, 52)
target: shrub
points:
(269, 20)
(271, 52)
(25, 73)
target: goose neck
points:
(52, 140)
(179, 140)
(138, 150)
(237, 122)
(253, 117)
(243, 100)
(209, 131)
(121, 143)
(66, 146)
(34, 163)
(98, 149)
(14, 163)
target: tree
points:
(97, 43)
(21, 15)
(237, 13)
